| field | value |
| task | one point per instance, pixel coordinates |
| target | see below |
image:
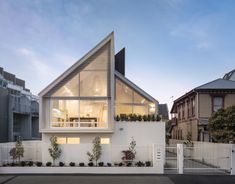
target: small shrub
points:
(61, 164)
(30, 163)
(22, 163)
(12, 164)
(81, 164)
(139, 118)
(145, 118)
(116, 164)
(109, 164)
(148, 163)
(101, 164)
(129, 164)
(139, 164)
(38, 164)
(120, 164)
(48, 164)
(117, 118)
(90, 164)
(72, 164)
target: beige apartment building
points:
(191, 112)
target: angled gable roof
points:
(131, 84)
(54, 83)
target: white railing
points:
(78, 125)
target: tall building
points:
(19, 108)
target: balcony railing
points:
(78, 125)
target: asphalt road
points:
(116, 179)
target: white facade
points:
(82, 103)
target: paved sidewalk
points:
(116, 179)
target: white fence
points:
(206, 155)
(32, 151)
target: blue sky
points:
(172, 46)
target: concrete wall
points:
(144, 133)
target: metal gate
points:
(171, 159)
(205, 160)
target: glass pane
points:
(152, 108)
(64, 113)
(93, 113)
(124, 93)
(104, 140)
(123, 109)
(99, 61)
(140, 109)
(68, 89)
(139, 99)
(218, 101)
(73, 140)
(61, 140)
(93, 83)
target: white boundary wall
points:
(149, 136)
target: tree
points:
(18, 151)
(96, 151)
(54, 150)
(222, 125)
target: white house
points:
(83, 101)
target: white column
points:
(232, 156)
(158, 160)
(180, 158)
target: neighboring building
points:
(230, 75)
(82, 103)
(18, 109)
(192, 111)
(163, 112)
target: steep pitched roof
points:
(77, 64)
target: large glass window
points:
(74, 104)
(70, 88)
(129, 101)
(64, 113)
(93, 113)
(93, 83)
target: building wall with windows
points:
(192, 111)
(19, 109)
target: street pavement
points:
(116, 179)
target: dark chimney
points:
(120, 61)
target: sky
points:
(172, 46)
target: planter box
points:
(78, 170)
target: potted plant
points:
(101, 164)
(90, 164)
(109, 164)
(30, 163)
(129, 155)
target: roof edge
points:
(76, 64)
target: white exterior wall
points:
(146, 134)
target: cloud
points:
(198, 30)
(35, 62)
